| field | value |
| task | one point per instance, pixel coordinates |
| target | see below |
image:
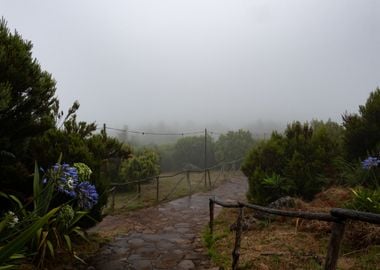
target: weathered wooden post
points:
(239, 230)
(139, 189)
(157, 188)
(337, 231)
(188, 182)
(209, 178)
(211, 223)
(113, 199)
(205, 157)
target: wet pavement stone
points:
(166, 236)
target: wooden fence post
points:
(139, 188)
(157, 188)
(188, 182)
(209, 178)
(337, 231)
(113, 199)
(239, 230)
(211, 223)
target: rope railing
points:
(173, 189)
(337, 216)
(205, 180)
(142, 180)
(295, 214)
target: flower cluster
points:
(68, 182)
(66, 215)
(12, 219)
(84, 172)
(67, 179)
(87, 195)
(370, 162)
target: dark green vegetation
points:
(34, 129)
(310, 157)
(363, 129)
(39, 215)
(298, 162)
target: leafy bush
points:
(296, 163)
(140, 166)
(76, 143)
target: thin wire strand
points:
(155, 133)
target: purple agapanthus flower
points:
(370, 162)
(87, 195)
(67, 179)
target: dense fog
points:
(186, 65)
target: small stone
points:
(192, 256)
(186, 264)
(135, 242)
(142, 264)
(263, 266)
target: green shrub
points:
(296, 163)
(140, 166)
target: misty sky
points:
(231, 62)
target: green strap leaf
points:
(7, 267)
(51, 248)
(81, 233)
(19, 242)
(68, 241)
(36, 186)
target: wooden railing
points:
(222, 170)
(337, 217)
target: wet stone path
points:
(167, 236)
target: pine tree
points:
(27, 101)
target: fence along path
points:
(196, 180)
(337, 217)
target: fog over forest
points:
(177, 66)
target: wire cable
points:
(155, 133)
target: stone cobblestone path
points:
(166, 236)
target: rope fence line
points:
(337, 217)
(181, 133)
(206, 180)
(155, 133)
(178, 173)
(173, 189)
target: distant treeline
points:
(189, 152)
